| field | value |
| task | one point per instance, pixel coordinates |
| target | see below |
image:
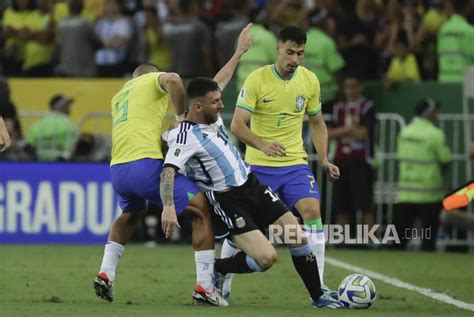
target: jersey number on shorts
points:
(272, 194)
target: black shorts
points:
(252, 206)
(354, 189)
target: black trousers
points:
(404, 217)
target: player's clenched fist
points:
(274, 148)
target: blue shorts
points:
(139, 181)
(291, 183)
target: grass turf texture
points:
(57, 281)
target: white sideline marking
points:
(398, 283)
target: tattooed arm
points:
(168, 218)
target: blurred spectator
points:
(425, 39)
(114, 32)
(423, 155)
(356, 36)
(261, 53)
(7, 108)
(76, 44)
(5, 141)
(40, 43)
(283, 13)
(20, 150)
(321, 55)
(190, 41)
(157, 49)
(14, 22)
(455, 42)
(54, 135)
(353, 126)
(403, 66)
(227, 32)
(84, 148)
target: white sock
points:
(112, 253)
(205, 267)
(317, 244)
(228, 249)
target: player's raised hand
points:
(332, 171)
(245, 39)
(5, 141)
(274, 148)
(169, 221)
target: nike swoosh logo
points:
(267, 100)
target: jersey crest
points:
(299, 103)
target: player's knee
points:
(267, 259)
(311, 212)
(129, 218)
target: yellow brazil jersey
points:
(278, 107)
(138, 112)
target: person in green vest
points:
(54, 135)
(261, 53)
(321, 54)
(455, 43)
(423, 157)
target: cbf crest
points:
(299, 103)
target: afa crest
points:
(299, 103)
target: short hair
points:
(426, 106)
(145, 69)
(292, 33)
(200, 86)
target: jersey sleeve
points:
(182, 147)
(160, 89)
(314, 102)
(247, 98)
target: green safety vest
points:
(455, 49)
(421, 152)
(261, 53)
(53, 136)
(322, 58)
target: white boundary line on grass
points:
(398, 283)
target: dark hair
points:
(426, 106)
(200, 86)
(460, 5)
(292, 33)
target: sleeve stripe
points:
(244, 107)
(313, 113)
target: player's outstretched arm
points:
(173, 84)
(239, 127)
(5, 141)
(168, 218)
(227, 71)
(319, 135)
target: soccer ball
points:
(357, 291)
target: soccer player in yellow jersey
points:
(138, 112)
(274, 99)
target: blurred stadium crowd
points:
(194, 38)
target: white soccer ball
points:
(357, 291)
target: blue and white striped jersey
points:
(206, 155)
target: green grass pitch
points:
(57, 281)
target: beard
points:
(211, 118)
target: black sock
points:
(307, 268)
(233, 264)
